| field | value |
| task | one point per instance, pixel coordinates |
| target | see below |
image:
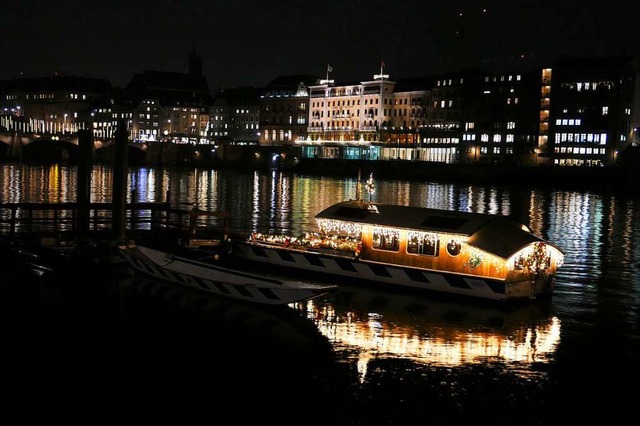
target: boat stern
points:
(540, 287)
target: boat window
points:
(454, 247)
(518, 263)
(423, 243)
(443, 222)
(386, 239)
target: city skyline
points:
(246, 43)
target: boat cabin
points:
(492, 246)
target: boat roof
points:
(497, 234)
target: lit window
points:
(386, 239)
(422, 243)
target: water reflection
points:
(367, 325)
(597, 231)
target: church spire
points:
(195, 62)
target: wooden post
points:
(14, 211)
(83, 187)
(168, 207)
(134, 217)
(120, 168)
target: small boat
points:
(484, 256)
(232, 283)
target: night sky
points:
(249, 42)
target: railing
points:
(63, 217)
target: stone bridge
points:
(46, 147)
(30, 146)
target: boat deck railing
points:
(308, 247)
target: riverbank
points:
(288, 159)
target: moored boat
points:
(484, 256)
(205, 275)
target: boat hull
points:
(394, 275)
(225, 282)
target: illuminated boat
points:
(225, 282)
(478, 255)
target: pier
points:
(88, 234)
(63, 218)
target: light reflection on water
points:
(364, 325)
(599, 282)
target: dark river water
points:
(90, 348)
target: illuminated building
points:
(578, 112)
(169, 106)
(345, 121)
(594, 110)
(52, 105)
(284, 110)
(234, 116)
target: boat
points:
(202, 273)
(482, 256)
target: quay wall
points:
(288, 159)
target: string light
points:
(370, 186)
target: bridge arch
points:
(50, 150)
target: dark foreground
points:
(100, 348)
